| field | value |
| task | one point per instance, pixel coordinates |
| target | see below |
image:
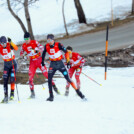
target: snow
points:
(109, 109)
(47, 17)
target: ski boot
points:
(5, 100)
(32, 96)
(11, 95)
(56, 90)
(67, 91)
(50, 98)
(81, 95)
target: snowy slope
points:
(46, 16)
(109, 109)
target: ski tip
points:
(19, 102)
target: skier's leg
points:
(6, 73)
(12, 79)
(77, 77)
(32, 70)
(45, 73)
(70, 72)
(65, 73)
(51, 72)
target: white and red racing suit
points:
(33, 50)
(77, 62)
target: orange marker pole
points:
(106, 51)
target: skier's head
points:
(3, 41)
(50, 39)
(27, 37)
(69, 49)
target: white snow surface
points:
(46, 17)
(109, 109)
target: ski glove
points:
(42, 63)
(9, 40)
(68, 65)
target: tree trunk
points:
(16, 17)
(132, 6)
(80, 12)
(28, 20)
(64, 18)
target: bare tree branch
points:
(28, 19)
(15, 16)
(64, 18)
(80, 12)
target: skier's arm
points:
(13, 46)
(43, 55)
(61, 47)
(40, 47)
(79, 62)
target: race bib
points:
(5, 51)
(52, 51)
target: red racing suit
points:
(33, 50)
(76, 65)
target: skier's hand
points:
(42, 63)
(68, 65)
(36, 50)
(80, 66)
(9, 40)
(25, 57)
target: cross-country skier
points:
(33, 50)
(55, 56)
(10, 66)
(77, 63)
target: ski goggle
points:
(49, 40)
(26, 38)
(3, 43)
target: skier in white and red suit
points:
(10, 66)
(33, 50)
(77, 62)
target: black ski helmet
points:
(27, 35)
(69, 48)
(50, 36)
(3, 39)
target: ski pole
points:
(15, 80)
(106, 52)
(91, 79)
(42, 84)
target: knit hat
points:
(3, 39)
(50, 36)
(69, 48)
(27, 35)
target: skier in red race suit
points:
(10, 66)
(77, 63)
(33, 50)
(55, 56)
